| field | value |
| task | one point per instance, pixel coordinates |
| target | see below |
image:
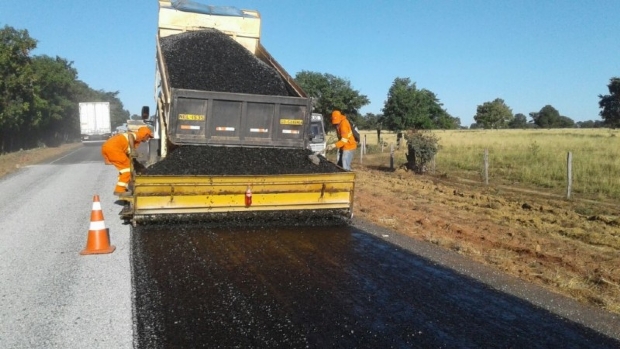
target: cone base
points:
(98, 242)
(103, 251)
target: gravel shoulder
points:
(50, 295)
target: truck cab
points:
(318, 140)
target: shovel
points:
(314, 158)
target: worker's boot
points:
(122, 194)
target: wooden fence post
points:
(362, 151)
(391, 157)
(486, 166)
(569, 170)
(365, 150)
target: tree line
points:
(39, 96)
(496, 114)
(408, 107)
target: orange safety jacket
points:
(116, 151)
(345, 134)
(120, 142)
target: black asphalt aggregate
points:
(214, 160)
(209, 60)
(322, 287)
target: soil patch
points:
(565, 246)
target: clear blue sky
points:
(530, 53)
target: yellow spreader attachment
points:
(168, 197)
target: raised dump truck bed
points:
(221, 97)
(236, 119)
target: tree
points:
(519, 121)
(547, 117)
(329, 92)
(443, 121)
(590, 124)
(421, 148)
(610, 104)
(565, 122)
(369, 121)
(52, 115)
(16, 84)
(495, 114)
(409, 108)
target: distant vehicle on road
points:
(95, 122)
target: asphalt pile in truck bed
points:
(214, 160)
(209, 60)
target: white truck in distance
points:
(95, 124)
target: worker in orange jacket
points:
(346, 143)
(117, 151)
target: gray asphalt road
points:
(50, 295)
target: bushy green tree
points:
(329, 91)
(610, 104)
(519, 121)
(407, 107)
(369, 121)
(421, 148)
(547, 117)
(493, 115)
(52, 114)
(565, 122)
(16, 86)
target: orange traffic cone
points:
(98, 235)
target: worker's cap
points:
(144, 133)
(337, 117)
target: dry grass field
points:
(535, 159)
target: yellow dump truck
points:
(190, 117)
